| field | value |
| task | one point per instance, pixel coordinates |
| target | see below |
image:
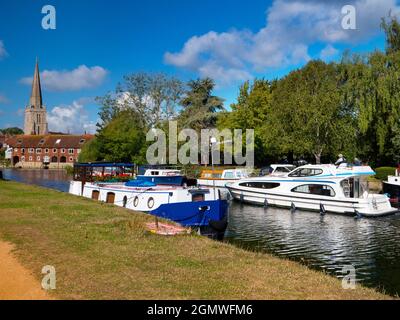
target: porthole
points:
(150, 203)
(136, 202)
(124, 202)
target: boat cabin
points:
(229, 174)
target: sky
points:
(96, 43)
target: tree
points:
(307, 115)
(392, 32)
(251, 112)
(155, 98)
(200, 106)
(122, 139)
(11, 131)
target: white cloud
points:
(291, 28)
(328, 52)
(3, 52)
(71, 118)
(82, 77)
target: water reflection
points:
(372, 246)
(54, 179)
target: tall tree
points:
(308, 116)
(200, 106)
(154, 97)
(392, 32)
(122, 139)
(251, 111)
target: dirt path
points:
(16, 282)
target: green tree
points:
(392, 32)
(307, 115)
(200, 106)
(155, 98)
(11, 131)
(122, 139)
(251, 112)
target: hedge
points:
(383, 172)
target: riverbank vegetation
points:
(100, 251)
(351, 106)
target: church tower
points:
(35, 112)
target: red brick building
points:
(54, 151)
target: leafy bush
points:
(383, 172)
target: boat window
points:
(260, 185)
(198, 197)
(315, 189)
(306, 172)
(229, 175)
(282, 169)
(154, 173)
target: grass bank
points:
(103, 252)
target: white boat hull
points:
(370, 207)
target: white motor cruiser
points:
(323, 188)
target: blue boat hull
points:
(210, 216)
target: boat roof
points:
(104, 165)
(162, 172)
(344, 170)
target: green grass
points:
(104, 252)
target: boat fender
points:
(241, 197)
(266, 203)
(293, 207)
(322, 209)
(358, 214)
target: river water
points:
(330, 242)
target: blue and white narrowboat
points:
(190, 206)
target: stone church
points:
(35, 112)
(37, 147)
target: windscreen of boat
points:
(306, 172)
(229, 175)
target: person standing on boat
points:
(341, 160)
(357, 162)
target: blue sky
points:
(96, 42)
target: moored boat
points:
(323, 188)
(194, 207)
(391, 187)
(219, 178)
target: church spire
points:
(36, 96)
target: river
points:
(327, 242)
